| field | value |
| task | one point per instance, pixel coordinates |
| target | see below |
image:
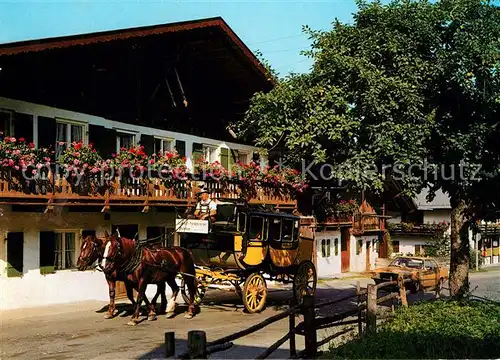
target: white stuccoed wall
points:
(358, 262)
(34, 289)
(328, 266)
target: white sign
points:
(191, 226)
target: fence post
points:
(197, 344)
(360, 321)
(402, 292)
(291, 325)
(371, 308)
(309, 327)
(169, 344)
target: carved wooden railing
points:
(148, 191)
(367, 222)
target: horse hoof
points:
(152, 317)
(169, 315)
(132, 323)
(188, 316)
(108, 316)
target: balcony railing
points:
(417, 229)
(367, 222)
(54, 190)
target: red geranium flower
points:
(22, 139)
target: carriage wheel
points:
(254, 293)
(198, 297)
(304, 281)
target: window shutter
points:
(104, 140)
(47, 252)
(197, 152)
(148, 142)
(180, 147)
(15, 249)
(224, 157)
(46, 132)
(23, 127)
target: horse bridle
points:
(95, 249)
(112, 258)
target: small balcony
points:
(367, 222)
(410, 229)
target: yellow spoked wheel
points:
(254, 293)
(304, 281)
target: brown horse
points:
(91, 251)
(150, 266)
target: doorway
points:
(368, 250)
(345, 249)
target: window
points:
(359, 246)
(210, 153)
(430, 265)
(325, 248)
(6, 123)
(336, 245)
(243, 157)
(163, 145)
(407, 262)
(274, 229)
(57, 250)
(64, 252)
(395, 246)
(420, 250)
(288, 230)
(66, 133)
(256, 228)
(15, 249)
(124, 140)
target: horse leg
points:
(151, 308)
(161, 291)
(130, 293)
(111, 306)
(175, 291)
(191, 285)
(141, 289)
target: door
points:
(129, 232)
(368, 251)
(345, 250)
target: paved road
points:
(79, 331)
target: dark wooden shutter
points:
(15, 254)
(148, 142)
(104, 140)
(46, 132)
(126, 231)
(23, 127)
(224, 157)
(47, 251)
(197, 152)
(180, 147)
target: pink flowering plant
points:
(169, 166)
(81, 159)
(131, 162)
(211, 171)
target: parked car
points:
(425, 272)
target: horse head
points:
(90, 251)
(113, 252)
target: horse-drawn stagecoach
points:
(244, 246)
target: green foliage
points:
(439, 245)
(431, 330)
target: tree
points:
(410, 90)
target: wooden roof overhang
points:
(141, 75)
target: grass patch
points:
(430, 330)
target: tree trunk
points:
(459, 262)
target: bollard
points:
(197, 344)
(309, 327)
(169, 344)
(291, 326)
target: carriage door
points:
(345, 249)
(127, 231)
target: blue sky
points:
(273, 27)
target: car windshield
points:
(407, 262)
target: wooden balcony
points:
(414, 229)
(143, 192)
(367, 223)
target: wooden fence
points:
(365, 315)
